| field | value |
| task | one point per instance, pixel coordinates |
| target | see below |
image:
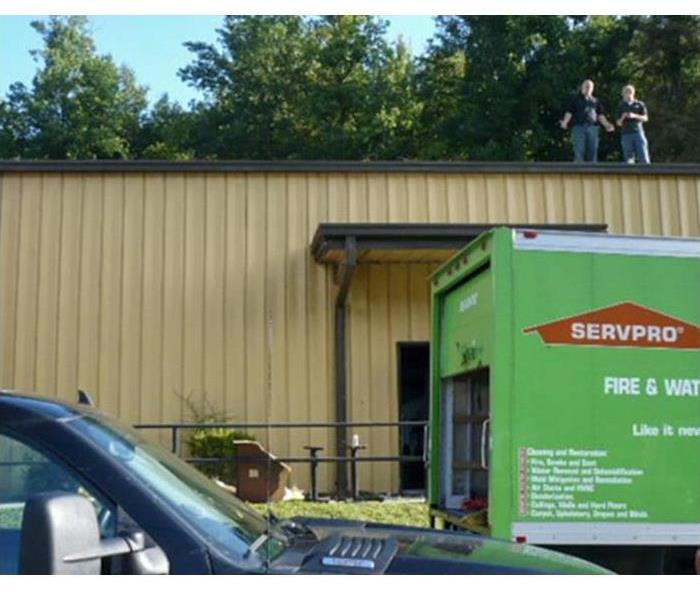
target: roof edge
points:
(322, 166)
(415, 236)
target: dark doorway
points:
(414, 374)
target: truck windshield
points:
(232, 527)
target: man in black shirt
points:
(584, 112)
(633, 113)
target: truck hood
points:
(343, 547)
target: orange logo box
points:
(626, 324)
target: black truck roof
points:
(14, 404)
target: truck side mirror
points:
(60, 536)
(55, 526)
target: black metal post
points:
(353, 469)
(313, 452)
(175, 440)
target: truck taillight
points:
(520, 539)
(529, 235)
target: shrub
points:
(212, 442)
(216, 443)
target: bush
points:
(216, 443)
(212, 442)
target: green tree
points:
(80, 105)
(332, 87)
(663, 62)
(359, 101)
(252, 85)
(493, 87)
(14, 127)
(166, 132)
(289, 87)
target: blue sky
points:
(152, 46)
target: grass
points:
(398, 513)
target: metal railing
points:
(313, 459)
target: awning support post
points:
(345, 272)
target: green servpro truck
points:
(565, 394)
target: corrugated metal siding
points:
(144, 288)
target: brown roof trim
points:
(322, 166)
(417, 236)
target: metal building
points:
(146, 282)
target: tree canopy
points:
(80, 104)
(333, 87)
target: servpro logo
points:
(626, 324)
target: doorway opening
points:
(466, 447)
(414, 382)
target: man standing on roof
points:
(584, 112)
(633, 113)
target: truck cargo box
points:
(565, 388)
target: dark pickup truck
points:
(81, 493)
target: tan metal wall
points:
(141, 287)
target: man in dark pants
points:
(633, 113)
(584, 112)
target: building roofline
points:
(325, 166)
